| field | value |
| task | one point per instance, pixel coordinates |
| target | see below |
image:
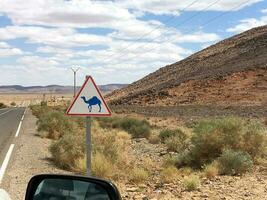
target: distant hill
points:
(53, 88)
(233, 71)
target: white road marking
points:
(5, 163)
(6, 112)
(18, 130)
(17, 133)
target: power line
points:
(177, 25)
(204, 24)
(157, 27)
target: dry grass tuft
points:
(138, 175)
(191, 182)
(101, 166)
(211, 170)
(169, 174)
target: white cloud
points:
(197, 37)
(75, 13)
(264, 11)
(247, 24)
(4, 45)
(10, 52)
(61, 37)
(160, 7)
(6, 50)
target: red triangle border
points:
(76, 97)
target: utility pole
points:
(74, 80)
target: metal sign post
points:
(88, 145)
(89, 102)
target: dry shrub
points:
(2, 105)
(138, 175)
(169, 174)
(170, 161)
(80, 165)
(110, 143)
(154, 139)
(101, 166)
(55, 123)
(68, 149)
(185, 171)
(191, 182)
(38, 110)
(211, 170)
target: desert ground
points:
(25, 99)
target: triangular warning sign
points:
(89, 101)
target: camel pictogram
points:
(91, 102)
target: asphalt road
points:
(9, 122)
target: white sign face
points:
(89, 101)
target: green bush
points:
(254, 140)
(55, 124)
(137, 128)
(183, 159)
(167, 133)
(109, 122)
(68, 149)
(13, 103)
(212, 136)
(176, 140)
(234, 162)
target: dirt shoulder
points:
(30, 157)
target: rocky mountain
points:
(54, 88)
(233, 71)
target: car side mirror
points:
(65, 187)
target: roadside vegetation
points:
(2, 105)
(207, 148)
(111, 138)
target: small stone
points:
(162, 153)
(204, 195)
(132, 189)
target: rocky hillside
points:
(233, 71)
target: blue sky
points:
(117, 41)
